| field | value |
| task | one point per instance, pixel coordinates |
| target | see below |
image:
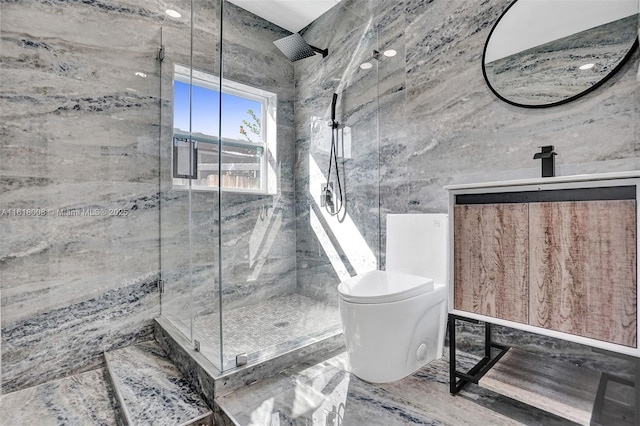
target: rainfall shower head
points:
(295, 48)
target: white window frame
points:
(268, 100)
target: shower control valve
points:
(326, 195)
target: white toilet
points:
(394, 321)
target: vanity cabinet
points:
(555, 256)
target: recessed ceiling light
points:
(366, 65)
(587, 66)
(390, 53)
(141, 74)
(173, 13)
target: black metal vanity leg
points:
(451, 323)
(481, 367)
(487, 340)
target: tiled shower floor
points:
(266, 328)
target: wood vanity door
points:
(490, 260)
(583, 269)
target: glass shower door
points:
(191, 176)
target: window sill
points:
(203, 188)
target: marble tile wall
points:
(79, 181)
(331, 248)
(438, 124)
(457, 131)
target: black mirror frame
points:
(564, 101)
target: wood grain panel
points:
(558, 387)
(491, 260)
(583, 269)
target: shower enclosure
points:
(250, 256)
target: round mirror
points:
(542, 53)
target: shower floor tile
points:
(268, 327)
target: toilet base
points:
(389, 341)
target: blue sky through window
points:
(205, 111)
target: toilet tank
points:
(417, 245)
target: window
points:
(248, 132)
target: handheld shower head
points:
(295, 48)
(333, 106)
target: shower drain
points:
(281, 324)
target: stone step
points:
(151, 391)
(78, 400)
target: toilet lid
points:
(383, 286)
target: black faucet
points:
(548, 160)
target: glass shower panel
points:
(175, 160)
(283, 254)
(189, 213)
(205, 187)
(338, 229)
(258, 223)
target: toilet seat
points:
(383, 287)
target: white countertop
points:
(549, 180)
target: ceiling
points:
(292, 15)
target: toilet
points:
(394, 321)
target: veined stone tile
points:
(327, 391)
(151, 390)
(51, 344)
(83, 399)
